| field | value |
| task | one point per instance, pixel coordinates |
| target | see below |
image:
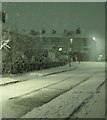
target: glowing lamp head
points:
(60, 49)
(93, 38)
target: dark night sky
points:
(90, 17)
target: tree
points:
(3, 17)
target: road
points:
(64, 95)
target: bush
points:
(19, 65)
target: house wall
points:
(29, 46)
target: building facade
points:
(31, 47)
(86, 46)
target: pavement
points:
(14, 78)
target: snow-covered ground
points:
(95, 108)
(68, 103)
(8, 79)
(60, 95)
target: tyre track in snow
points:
(84, 102)
(84, 80)
(66, 108)
(38, 102)
(77, 108)
(55, 83)
(40, 89)
(59, 93)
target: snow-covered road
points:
(63, 95)
(69, 103)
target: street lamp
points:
(71, 40)
(60, 49)
(93, 38)
(94, 48)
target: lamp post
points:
(70, 53)
(71, 40)
(94, 48)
